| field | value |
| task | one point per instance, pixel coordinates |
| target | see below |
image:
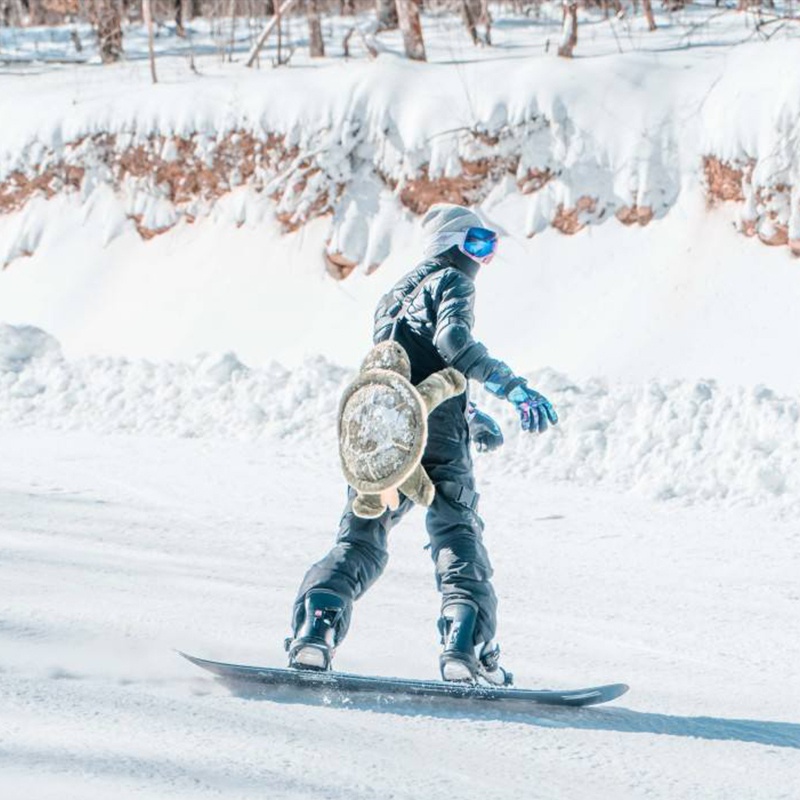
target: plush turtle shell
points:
(383, 429)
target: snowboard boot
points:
(457, 627)
(461, 660)
(314, 642)
(489, 666)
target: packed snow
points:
(694, 441)
(118, 549)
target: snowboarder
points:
(429, 313)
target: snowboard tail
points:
(272, 680)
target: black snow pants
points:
(461, 562)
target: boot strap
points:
(459, 493)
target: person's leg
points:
(351, 567)
(463, 569)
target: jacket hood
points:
(445, 225)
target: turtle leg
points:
(368, 506)
(390, 498)
(441, 386)
(419, 487)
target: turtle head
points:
(388, 355)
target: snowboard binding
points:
(314, 643)
(459, 662)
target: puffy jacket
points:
(435, 327)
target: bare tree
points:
(19, 12)
(411, 27)
(647, 5)
(569, 35)
(106, 19)
(189, 9)
(272, 24)
(179, 12)
(316, 45)
(474, 13)
(486, 21)
(387, 15)
(36, 12)
(469, 18)
(147, 16)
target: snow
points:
(691, 440)
(704, 302)
(118, 549)
(167, 412)
(624, 130)
(629, 129)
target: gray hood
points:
(445, 225)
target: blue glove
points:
(483, 430)
(534, 409)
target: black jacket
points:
(435, 327)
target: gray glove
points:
(483, 430)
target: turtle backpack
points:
(383, 427)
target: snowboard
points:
(344, 687)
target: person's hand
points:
(483, 430)
(535, 410)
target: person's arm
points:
(453, 339)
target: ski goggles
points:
(480, 242)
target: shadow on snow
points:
(623, 720)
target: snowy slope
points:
(704, 302)
(357, 147)
(117, 549)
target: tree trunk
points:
(647, 5)
(179, 29)
(486, 21)
(316, 45)
(147, 17)
(387, 15)
(106, 19)
(232, 15)
(36, 12)
(19, 11)
(569, 37)
(411, 27)
(473, 14)
(273, 23)
(469, 18)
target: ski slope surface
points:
(117, 549)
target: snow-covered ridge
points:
(571, 144)
(695, 441)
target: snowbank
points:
(363, 144)
(667, 439)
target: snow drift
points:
(668, 439)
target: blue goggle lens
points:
(480, 242)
